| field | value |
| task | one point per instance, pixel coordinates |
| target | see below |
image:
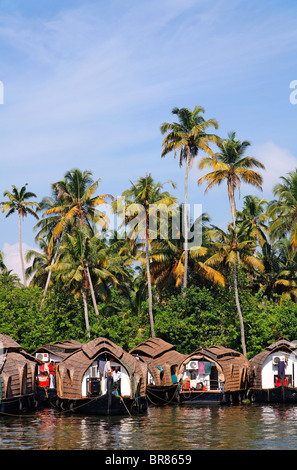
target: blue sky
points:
(88, 84)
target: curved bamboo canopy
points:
(232, 366)
(70, 371)
(157, 353)
(17, 369)
(256, 363)
(60, 348)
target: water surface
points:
(176, 427)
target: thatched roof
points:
(17, 369)
(232, 365)
(8, 343)
(256, 363)
(60, 348)
(71, 370)
(158, 353)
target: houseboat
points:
(214, 375)
(273, 374)
(162, 361)
(102, 379)
(49, 356)
(18, 370)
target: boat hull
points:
(212, 397)
(18, 405)
(104, 405)
(46, 396)
(161, 395)
(274, 395)
(200, 397)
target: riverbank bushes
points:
(206, 316)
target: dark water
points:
(244, 427)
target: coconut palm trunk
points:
(21, 251)
(239, 310)
(49, 275)
(185, 214)
(92, 291)
(149, 285)
(84, 296)
(233, 207)
(17, 202)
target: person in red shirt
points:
(51, 369)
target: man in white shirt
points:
(116, 377)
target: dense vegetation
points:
(237, 289)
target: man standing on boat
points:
(116, 377)
(51, 369)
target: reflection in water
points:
(161, 428)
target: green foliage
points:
(120, 322)
(208, 316)
(202, 318)
(60, 319)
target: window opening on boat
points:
(105, 370)
(46, 374)
(161, 373)
(24, 380)
(173, 374)
(201, 374)
(281, 378)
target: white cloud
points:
(12, 258)
(277, 161)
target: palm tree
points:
(41, 260)
(18, 202)
(2, 264)
(168, 256)
(73, 204)
(49, 242)
(283, 211)
(187, 137)
(76, 201)
(86, 266)
(231, 165)
(227, 246)
(70, 266)
(137, 207)
(253, 216)
(280, 270)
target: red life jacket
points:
(278, 382)
(43, 381)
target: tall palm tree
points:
(73, 204)
(49, 243)
(77, 202)
(168, 255)
(18, 202)
(231, 165)
(187, 137)
(70, 266)
(136, 207)
(227, 245)
(86, 265)
(283, 211)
